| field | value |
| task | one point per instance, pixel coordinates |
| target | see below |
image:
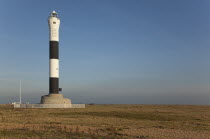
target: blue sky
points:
(111, 51)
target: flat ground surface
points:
(107, 121)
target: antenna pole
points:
(20, 91)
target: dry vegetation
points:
(107, 121)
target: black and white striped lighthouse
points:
(54, 24)
(54, 97)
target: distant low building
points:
(15, 103)
(19, 103)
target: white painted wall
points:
(54, 68)
(54, 24)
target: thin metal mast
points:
(20, 91)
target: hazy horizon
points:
(111, 51)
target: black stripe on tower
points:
(54, 51)
(54, 85)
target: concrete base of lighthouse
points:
(55, 99)
(52, 101)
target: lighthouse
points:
(54, 97)
(54, 24)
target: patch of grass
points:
(107, 121)
(153, 116)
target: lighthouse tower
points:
(54, 24)
(54, 96)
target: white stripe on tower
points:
(54, 71)
(54, 24)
